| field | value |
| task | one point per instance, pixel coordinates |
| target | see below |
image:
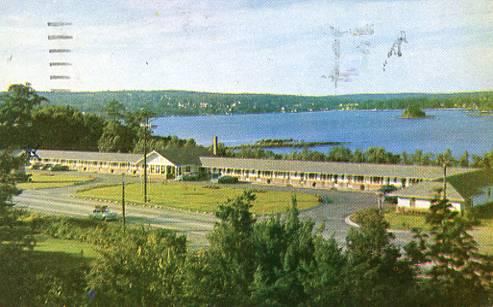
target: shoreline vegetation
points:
(286, 143)
(183, 103)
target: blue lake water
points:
(454, 129)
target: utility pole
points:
(123, 201)
(145, 157)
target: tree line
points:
(371, 155)
(163, 103)
(27, 120)
(279, 260)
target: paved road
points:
(344, 204)
(194, 225)
(60, 201)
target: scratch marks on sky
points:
(359, 41)
(396, 48)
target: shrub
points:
(227, 180)
(59, 168)
(191, 177)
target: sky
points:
(282, 47)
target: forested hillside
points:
(198, 103)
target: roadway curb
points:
(348, 221)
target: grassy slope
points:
(197, 197)
(482, 233)
(71, 247)
(44, 180)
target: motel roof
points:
(459, 187)
(353, 169)
(88, 156)
(177, 157)
(429, 190)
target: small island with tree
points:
(413, 111)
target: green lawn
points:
(45, 180)
(70, 247)
(405, 221)
(482, 233)
(199, 197)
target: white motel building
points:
(418, 185)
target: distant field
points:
(45, 180)
(199, 197)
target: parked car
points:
(103, 213)
(388, 188)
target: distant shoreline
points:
(417, 117)
(287, 143)
(190, 103)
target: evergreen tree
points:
(284, 253)
(224, 272)
(375, 274)
(459, 274)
